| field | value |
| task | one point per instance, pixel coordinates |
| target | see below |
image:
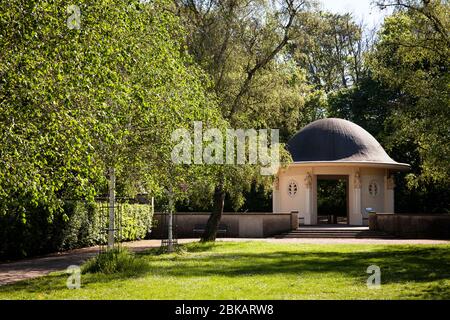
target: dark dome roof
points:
(336, 140)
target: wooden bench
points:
(199, 229)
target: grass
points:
(260, 270)
(118, 260)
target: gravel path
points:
(31, 268)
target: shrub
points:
(136, 221)
(79, 224)
(118, 260)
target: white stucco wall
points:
(283, 202)
(376, 202)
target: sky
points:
(363, 10)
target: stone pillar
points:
(373, 224)
(310, 218)
(389, 186)
(355, 210)
(276, 196)
(294, 220)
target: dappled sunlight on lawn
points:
(258, 270)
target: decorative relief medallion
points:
(357, 180)
(292, 188)
(390, 183)
(308, 180)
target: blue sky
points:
(363, 10)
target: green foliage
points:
(404, 101)
(75, 102)
(136, 221)
(241, 45)
(368, 104)
(332, 198)
(330, 48)
(413, 57)
(79, 224)
(117, 260)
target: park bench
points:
(199, 229)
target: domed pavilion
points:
(336, 149)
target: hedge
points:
(78, 225)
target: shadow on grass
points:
(438, 290)
(399, 265)
(38, 285)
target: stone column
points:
(355, 211)
(389, 186)
(276, 196)
(309, 217)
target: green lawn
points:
(259, 270)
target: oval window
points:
(292, 188)
(373, 188)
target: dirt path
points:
(31, 268)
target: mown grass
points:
(259, 270)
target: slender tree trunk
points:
(170, 225)
(214, 219)
(112, 200)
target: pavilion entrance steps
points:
(335, 231)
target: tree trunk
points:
(214, 219)
(112, 202)
(170, 225)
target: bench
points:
(199, 229)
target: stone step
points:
(334, 235)
(330, 237)
(338, 232)
(325, 231)
(348, 234)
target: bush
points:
(136, 221)
(78, 225)
(118, 260)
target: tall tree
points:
(413, 56)
(368, 103)
(330, 47)
(88, 88)
(241, 45)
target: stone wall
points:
(413, 226)
(239, 225)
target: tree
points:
(403, 102)
(330, 47)
(368, 104)
(241, 45)
(412, 56)
(79, 101)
